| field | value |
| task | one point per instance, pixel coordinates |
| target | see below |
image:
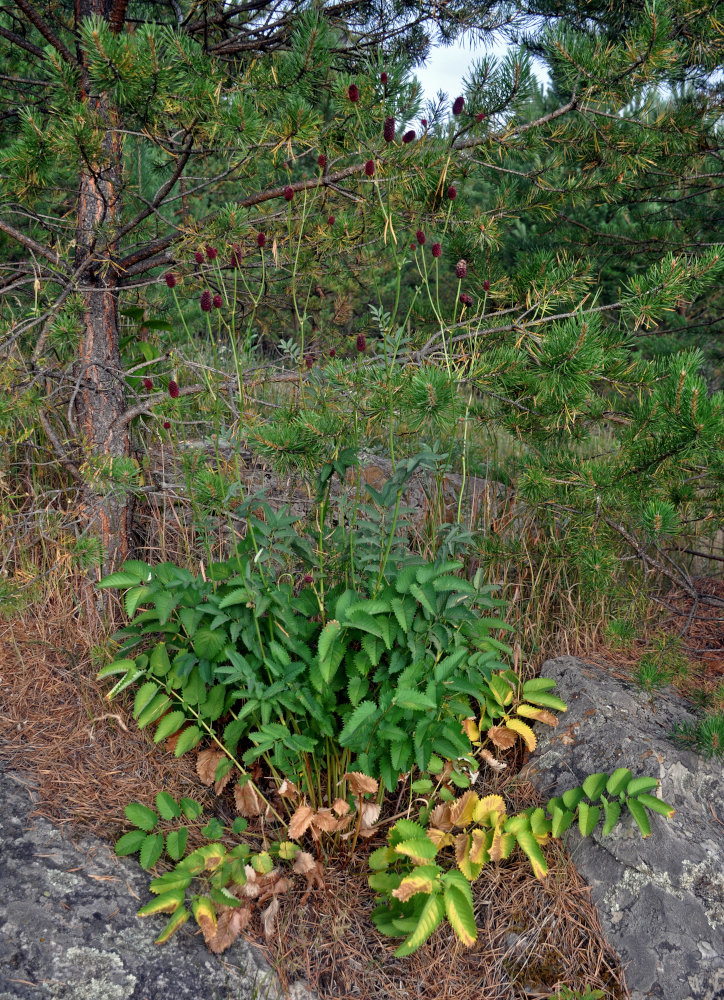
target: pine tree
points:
(149, 140)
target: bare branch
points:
(45, 30)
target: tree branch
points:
(30, 244)
(45, 30)
(21, 42)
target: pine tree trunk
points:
(100, 398)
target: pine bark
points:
(100, 398)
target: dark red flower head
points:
(199, 257)
(479, 116)
(458, 105)
(212, 253)
(486, 285)
(216, 301)
(388, 130)
(147, 384)
(322, 161)
(413, 246)
(461, 268)
(361, 342)
(170, 279)
(452, 192)
(206, 301)
(333, 353)
(330, 220)
(383, 77)
(466, 299)
(307, 578)
(173, 389)
(353, 93)
(436, 249)
(370, 168)
(235, 258)
(166, 425)
(408, 136)
(423, 122)
(288, 193)
(420, 236)
(308, 361)
(261, 239)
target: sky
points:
(447, 66)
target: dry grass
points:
(86, 759)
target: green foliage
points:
(418, 888)
(705, 736)
(360, 652)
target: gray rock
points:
(69, 930)
(661, 899)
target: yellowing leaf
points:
(489, 809)
(538, 714)
(178, 919)
(530, 846)
(411, 885)
(478, 853)
(460, 914)
(440, 838)
(471, 730)
(167, 902)
(430, 919)
(461, 811)
(205, 916)
(523, 730)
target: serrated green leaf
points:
(136, 596)
(120, 580)
(618, 781)
(572, 797)
(588, 817)
(169, 725)
(638, 785)
(546, 700)
(419, 851)
(188, 739)
(141, 816)
(612, 811)
(191, 808)
(538, 684)
(152, 712)
(169, 881)
(129, 678)
(130, 842)
(151, 850)
(176, 843)
(594, 785)
(651, 802)
(117, 667)
(158, 662)
(144, 695)
(639, 814)
(167, 806)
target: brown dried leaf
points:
(501, 737)
(370, 813)
(230, 923)
(440, 816)
(252, 888)
(288, 790)
(248, 801)
(300, 821)
(304, 863)
(492, 760)
(206, 763)
(324, 820)
(269, 918)
(341, 807)
(361, 784)
(462, 847)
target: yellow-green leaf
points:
(460, 914)
(430, 919)
(524, 731)
(167, 902)
(177, 920)
(529, 845)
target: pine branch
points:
(162, 191)
(31, 244)
(22, 43)
(45, 30)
